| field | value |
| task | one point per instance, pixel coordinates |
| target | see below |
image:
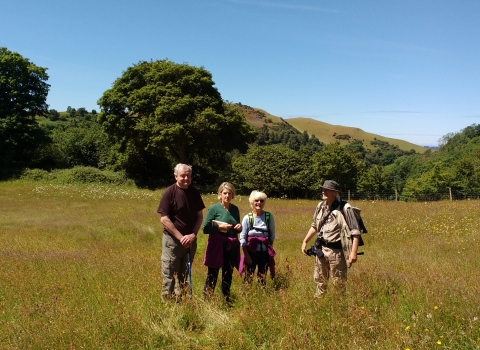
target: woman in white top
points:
(256, 238)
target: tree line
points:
(159, 113)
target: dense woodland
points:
(159, 113)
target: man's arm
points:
(170, 227)
(353, 254)
(311, 233)
(187, 240)
(313, 228)
(352, 223)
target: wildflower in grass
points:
(407, 328)
(439, 342)
(435, 307)
(427, 330)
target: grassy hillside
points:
(327, 133)
(258, 117)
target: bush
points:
(77, 175)
(35, 175)
(343, 137)
(87, 175)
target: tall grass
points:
(80, 269)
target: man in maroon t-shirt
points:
(181, 208)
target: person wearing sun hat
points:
(338, 238)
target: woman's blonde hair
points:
(257, 195)
(226, 186)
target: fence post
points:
(348, 196)
(450, 190)
(396, 195)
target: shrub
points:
(343, 137)
(87, 175)
(35, 175)
(77, 175)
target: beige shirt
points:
(331, 229)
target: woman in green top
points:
(222, 224)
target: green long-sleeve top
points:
(218, 212)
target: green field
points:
(80, 269)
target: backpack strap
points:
(267, 219)
(250, 221)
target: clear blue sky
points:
(406, 69)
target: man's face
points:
(184, 178)
(328, 194)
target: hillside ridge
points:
(326, 133)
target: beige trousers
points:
(331, 264)
(174, 266)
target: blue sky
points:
(406, 69)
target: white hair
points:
(180, 166)
(257, 195)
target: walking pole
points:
(189, 268)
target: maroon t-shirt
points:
(181, 206)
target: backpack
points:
(356, 212)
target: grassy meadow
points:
(80, 269)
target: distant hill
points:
(329, 133)
(326, 133)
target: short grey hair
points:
(180, 166)
(257, 195)
(226, 186)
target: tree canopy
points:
(274, 169)
(23, 94)
(168, 110)
(334, 162)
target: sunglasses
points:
(259, 200)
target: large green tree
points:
(164, 110)
(79, 143)
(432, 184)
(334, 162)
(373, 180)
(23, 94)
(274, 169)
